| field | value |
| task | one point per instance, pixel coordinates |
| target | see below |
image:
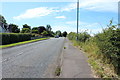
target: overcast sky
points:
(61, 15)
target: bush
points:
(109, 45)
(8, 38)
(72, 36)
(35, 31)
(82, 37)
(25, 30)
(104, 46)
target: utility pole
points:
(77, 17)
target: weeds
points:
(57, 71)
(64, 47)
(103, 50)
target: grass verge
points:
(100, 69)
(20, 43)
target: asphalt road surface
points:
(30, 60)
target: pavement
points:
(31, 60)
(74, 63)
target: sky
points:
(61, 15)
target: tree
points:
(64, 34)
(26, 26)
(25, 30)
(44, 33)
(2, 19)
(48, 28)
(35, 28)
(14, 28)
(52, 34)
(41, 29)
(35, 31)
(59, 33)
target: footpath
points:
(74, 63)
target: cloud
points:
(99, 5)
(93, 5)
(70, 26)
(69, 7)
(75, 22)
(36, 12)
(63, 28)
(91, 28)
(42, 11)
(62, 17)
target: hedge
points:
(8, 38)
(108, 43)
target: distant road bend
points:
(30, 60)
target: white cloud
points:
(36, 12)
(91, 28)
(93, 5)
(70, 26)
(69, 7)
(75, 23)
(99, 5)
(62, 17)
(64, 27)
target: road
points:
(30, 60)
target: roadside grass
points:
(20, 43)
(100, 69)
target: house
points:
(4, 28)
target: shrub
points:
(8, 38)
(25, 30)
(109, 45)
(35, 31)
(72, 36)
(104, 46)
(82, 37)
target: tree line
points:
(41, 30)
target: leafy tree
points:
(35, 28)
(83, 36)
(41, 29)
(2, 19)
(25, 30)
(26, 26)
(14, 28)
(52, 34)
(35, 31)
(59, 33)
(72, 36)
(64, 34)
(48, 28)
(44, 33)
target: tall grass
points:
(103, 50)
